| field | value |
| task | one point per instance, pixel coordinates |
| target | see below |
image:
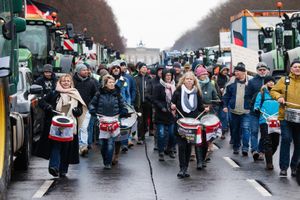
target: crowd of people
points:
(255, 112)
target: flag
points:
(39, 10)
(238, 38)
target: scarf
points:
(68, 100)
(204, 81)
(169, 89)
(82, 78)
(188, 104)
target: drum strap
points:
(287, 83)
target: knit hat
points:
(268, 79)
(103, 72)
(294, 62)
(141, 65)
(80, 66)
(176, 65)
(223, 67)
(48, 68)
(262, 65)
(240, 67)
(187, 66)
(201, 71)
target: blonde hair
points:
(192, 75)
(66, 76)
(106, 78)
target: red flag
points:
(238, 38)
(38, 10)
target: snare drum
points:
(273, 124)
(109, 127)
(211, 125)
(292, 115)
(190, 129)
(127, 124)
(62, 129)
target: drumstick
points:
(180, 113)
(293, 104)
(200, 114)
(60, 113)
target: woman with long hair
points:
(187, 101)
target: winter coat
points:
(86, 88)
(266, 104)
(142, 82)
(293, 93)
(222, 80)
(154, 82)
(132, 87)
(252, 89)
(123, 85)
(176, 99)
(108, 103)
(47, 84)
(159, 102)
(208, 92)
(44, 144)
(234, 94)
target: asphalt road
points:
(227, 177)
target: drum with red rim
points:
(273, 124)
(62, 129)
(211, 125)
(190, 129)
(109, 126)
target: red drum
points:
(190, 129)
(109, 127)
(273, 125)
(127, 124)
(62, 129)
(212, 126)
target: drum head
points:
(62, 120)
(209, 120)
(189, 121)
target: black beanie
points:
(268, 79)
(294, 62)
(141, 65)
(240, 67)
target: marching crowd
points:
(255, 112)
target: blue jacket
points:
(268, 106)
(132, 87)
(123, 85)
(230, 96)
(253, 87)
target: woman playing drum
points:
(188, 101)
(108, 103)
(61, 149)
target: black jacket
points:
(44, 144)
(176, 99)
(87, 88)
(160, 103)
(142, 82)
(108, 103)
(47, 84)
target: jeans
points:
(83, 130)
(59, 156)
(91, 129)
(107, 150)
(223, 118)
(289, 133)
(240, 128)
(254, 132)
(162, 137)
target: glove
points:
(76, 112)
(164, 110)
(48, 108)
(125, 115)
(257, 111)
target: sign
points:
(248, 56)
(69, 44)
(225, 40)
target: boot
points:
(115, 159)
(186, 174)
(199, 156)
(269, 160)
(181, 173)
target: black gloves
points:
(164, 110)
(48, 108)
(76, 112)
(125, 115)
(257, 111)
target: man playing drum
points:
(287, 93)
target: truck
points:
(16, 96)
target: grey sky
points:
(158, 23)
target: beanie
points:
(79, 67)
(240, 67)
(268, 79)
(262, 65)
(177, 65)
(294, 62)
(141, 65)
(201, 71)
(48, 68)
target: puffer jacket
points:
(266, 104)
(108, 103)
(293, 93)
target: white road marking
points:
(231, 162)
(43, 189)
(259, 188)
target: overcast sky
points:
(158, 23)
